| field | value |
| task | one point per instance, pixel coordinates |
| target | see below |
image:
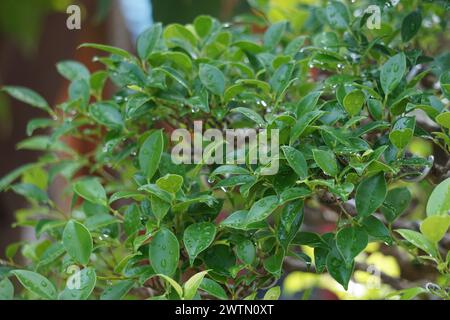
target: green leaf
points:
(281, 79)
(338, 268)
(132, 220)
(229, 169)
(36, 283)
(396, 202)
(6, 290)
(87, 281)
(296, 161)
(158, 192)
(375, 108)
(78, 242)
(444, 80)
(370, 194)
(125, 195)
(411, 25)
(150, 153)
(392, 72)
(246, 251)
(203, 25)
(110, 49)
(439, 201)
(28, 96)
(302, 123)
(434, 228)
(353, 102)
(197, 237)
(173, 283)
(107, 114)
(147, 41)
(326, 160)
(252, 115)
(274, 262)
(419, 240)
(337, 15)
(444, 119)
(274, 34)
(91, 190)
(294, 193)
(212, 78)
(273, 293)
(261, 209)
(351, 241)
(170, 182)
(376, 229)
(213, 288)
(117, 291)
(72, 70)
(164, 252)
(191, 286)
(290, 221)
(38, 123)
(30, 191)
(402, 131)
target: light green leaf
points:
(170, 182)
(444, 119)
(36, 283)
(107, 114)
(439, 201)
(28, 96)
(91, 190)
(434, 228)
(87, 281)
(191, 286)
(252, 115)
(419, 240)
(110, 49)
(72, 70)
(353, 102)
(273, 293)
(326, 160)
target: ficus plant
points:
(119, 219)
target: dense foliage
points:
(348, 100)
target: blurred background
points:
(34, 37)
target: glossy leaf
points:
(326, 160)
(150, 153)
(197, 237)
(164, 252)
(78, 241)
(370, 194)
(36, 283)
